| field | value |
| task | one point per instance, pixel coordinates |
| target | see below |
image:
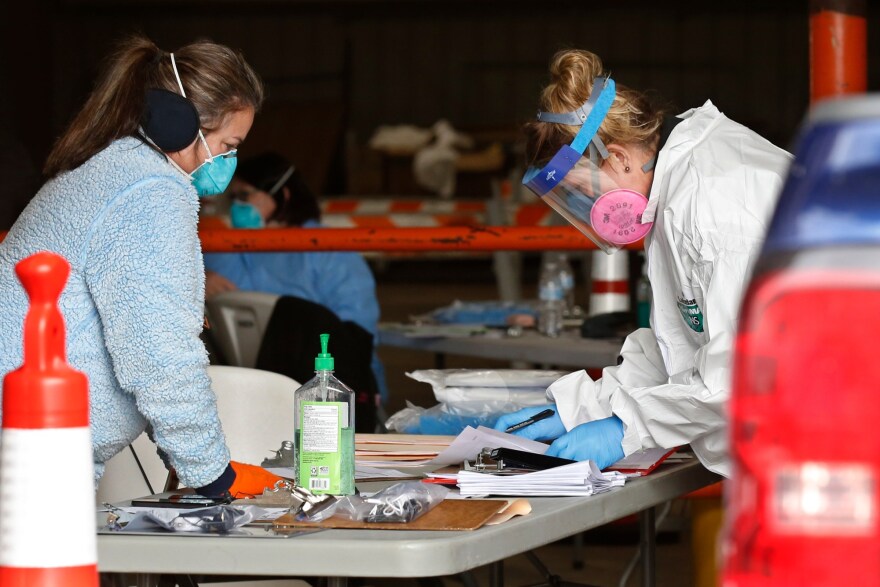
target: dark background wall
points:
(337, 69)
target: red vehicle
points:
(803, 506)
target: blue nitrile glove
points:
(598, 441)
(546, 429)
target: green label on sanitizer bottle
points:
(326, 461)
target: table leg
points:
(439, 360)
(647, 545)
(577, 557)
(337, 581)
(496, 574)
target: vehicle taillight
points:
(805, 426)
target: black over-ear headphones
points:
(169, 120)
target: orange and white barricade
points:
(401, 213)
(410, 213)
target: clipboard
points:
(509, 461)
(519, 459)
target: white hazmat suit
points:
(714, 190)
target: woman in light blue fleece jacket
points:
(121, 206)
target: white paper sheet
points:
(471, 441)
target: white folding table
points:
(339, 554)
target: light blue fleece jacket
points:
(126, 221)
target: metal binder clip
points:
(282, 494)
(311, 504)
(484, 463)
(113, 515)
(284, 456)
(301, 500)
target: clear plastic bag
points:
(221, 519)
(406, 420)
(448, 418)
(490, 313)
(401, 503)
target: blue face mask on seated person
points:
(245, 215)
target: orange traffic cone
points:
(46, 450)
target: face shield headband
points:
(576, 186)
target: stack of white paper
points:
(581, 478)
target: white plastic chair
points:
(256, 410)
(238, 321)
(134, 472)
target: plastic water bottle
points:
(324, 430)
(566, 279)
(643, 299)
(551, 303)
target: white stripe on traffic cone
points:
(609, 287)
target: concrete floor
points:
(407, 288)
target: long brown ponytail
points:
(217, 79)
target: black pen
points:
(537, 417)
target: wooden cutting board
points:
(450, 514)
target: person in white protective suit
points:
(612, 167)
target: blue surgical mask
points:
(212, 177)
(245, 215)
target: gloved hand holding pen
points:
(547, 428)
(599, 441)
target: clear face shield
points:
(574, 184)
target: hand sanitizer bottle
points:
(324, 430)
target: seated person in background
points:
(322, 291)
